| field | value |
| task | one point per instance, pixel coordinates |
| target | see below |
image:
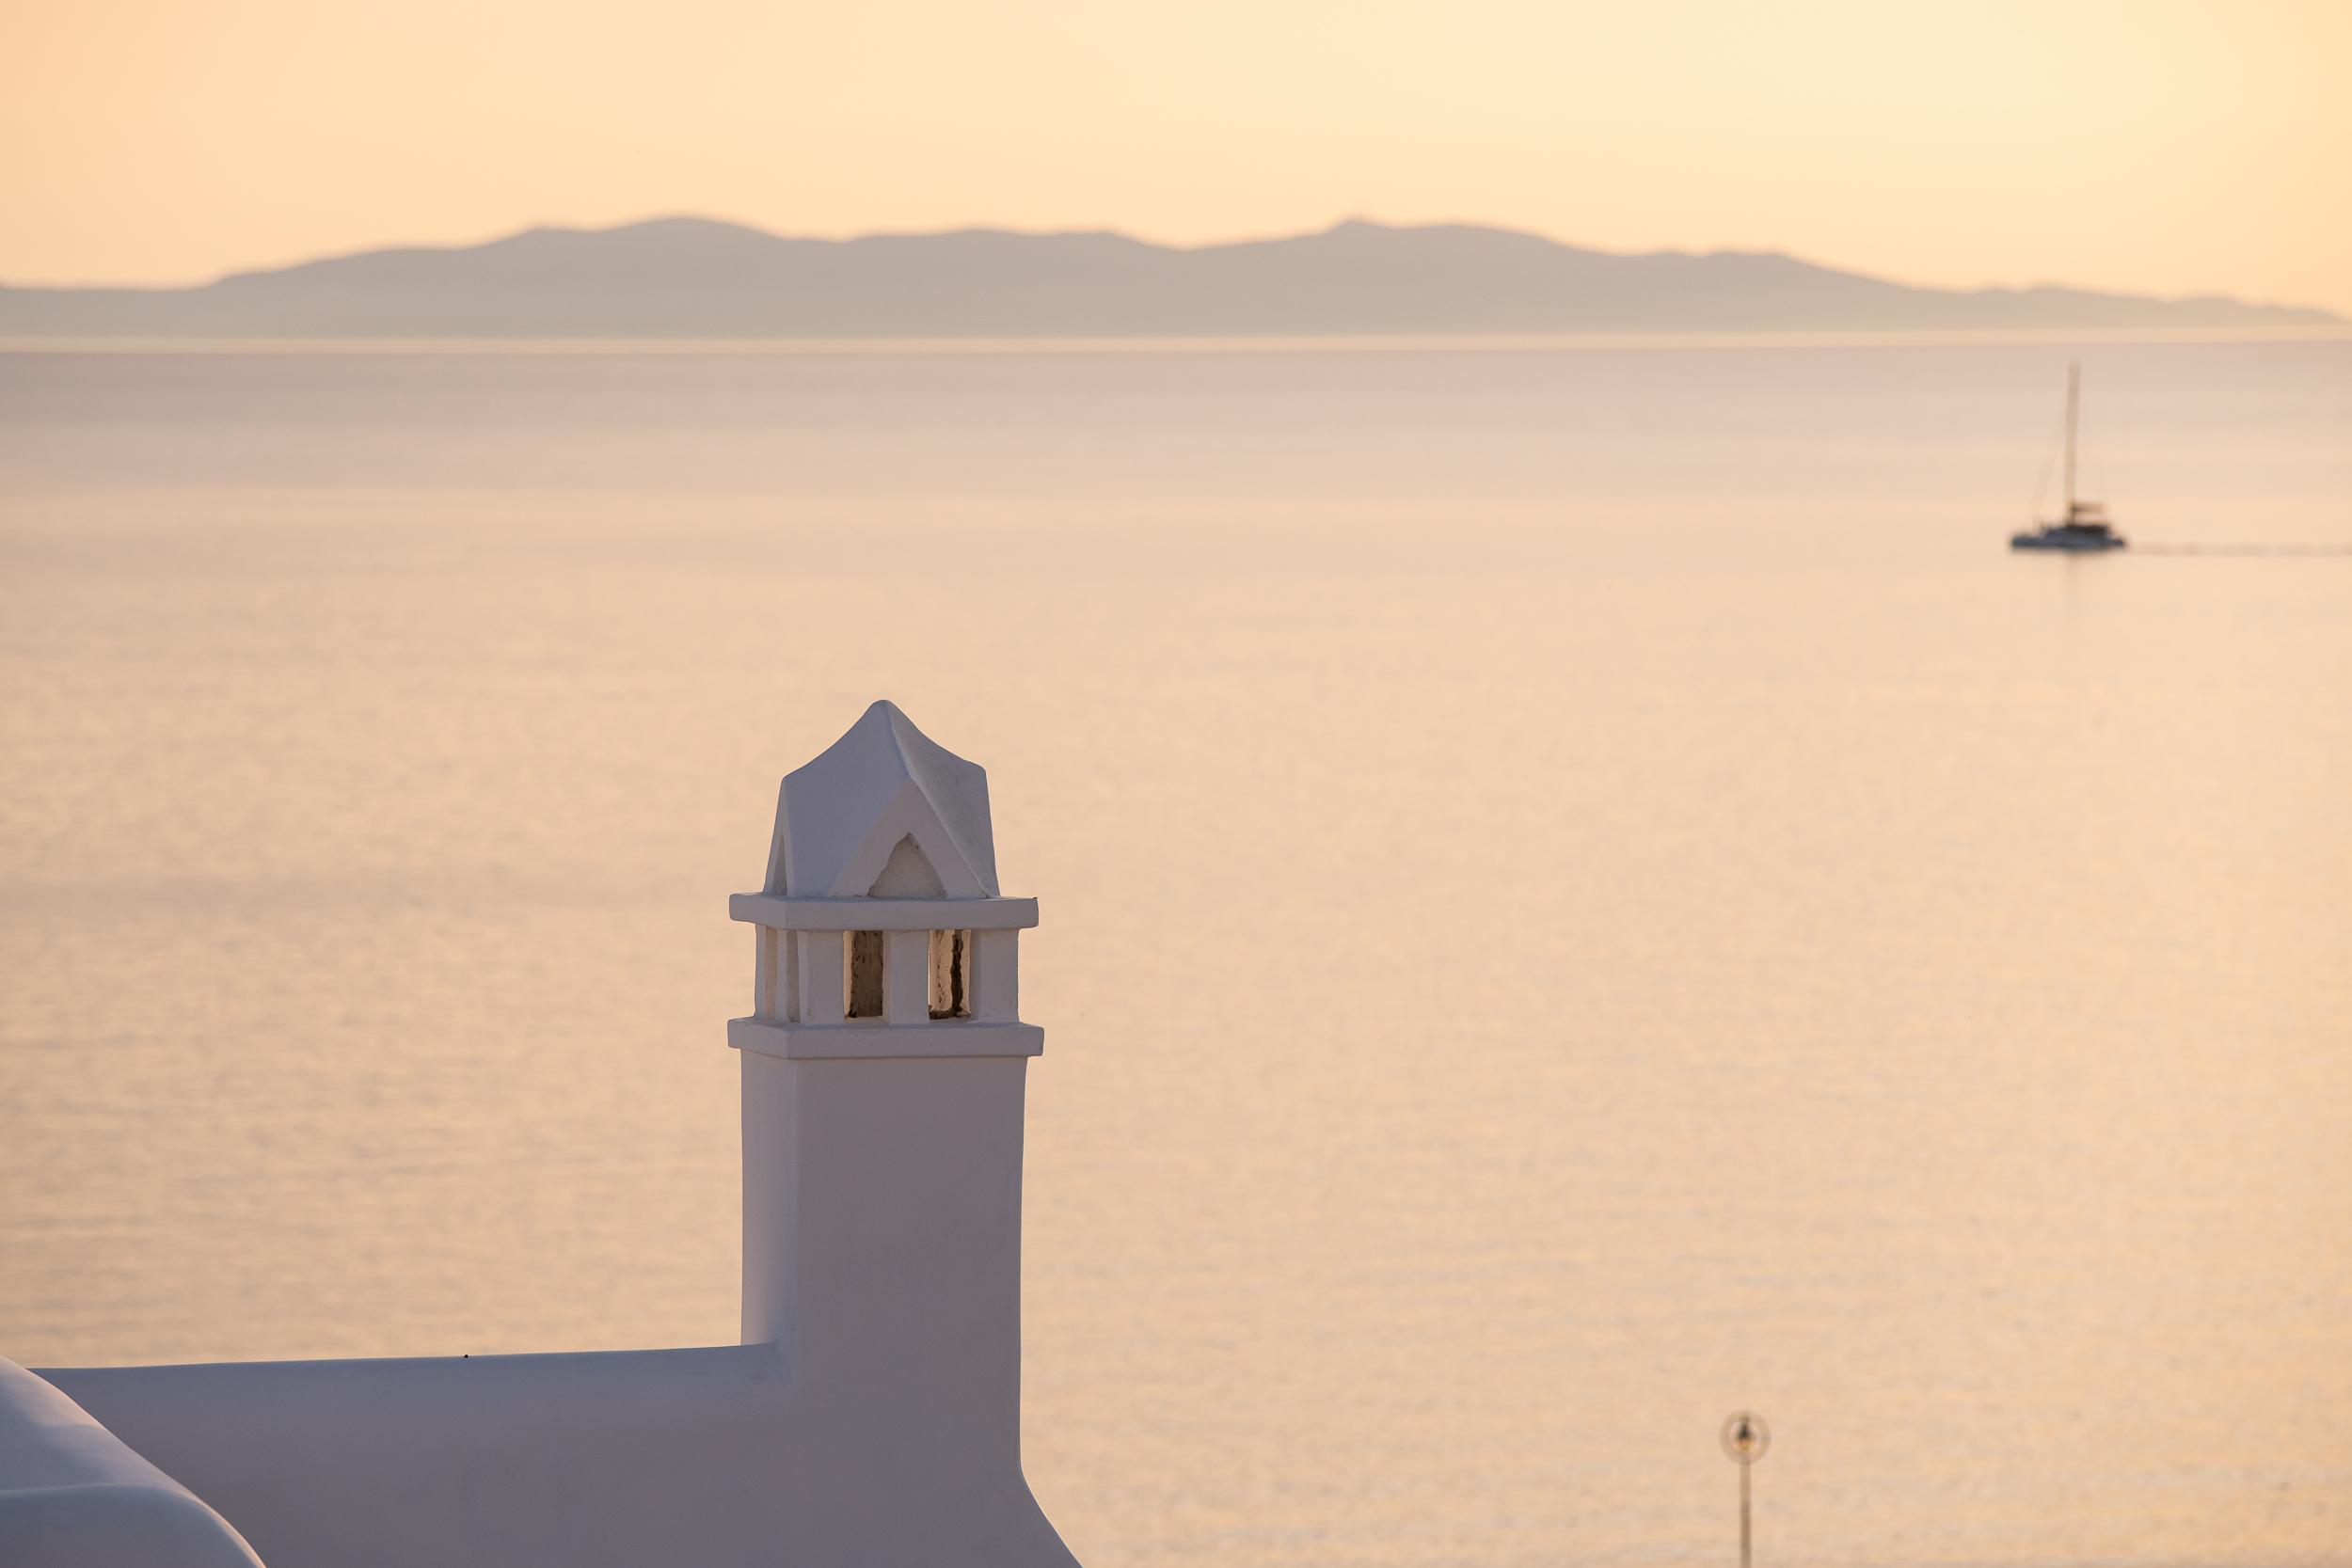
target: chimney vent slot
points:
(951, 975)
(862, 976)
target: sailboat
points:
(2085, 527)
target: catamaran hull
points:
(2071, 547)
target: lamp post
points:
(1745, 1438)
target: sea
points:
(1583, 889)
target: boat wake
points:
(2344, 551)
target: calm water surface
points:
(1583, 889)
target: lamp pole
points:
(1745, 1437)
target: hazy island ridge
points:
(691, 278)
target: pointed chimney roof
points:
(840, 817)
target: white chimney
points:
(884, 1068)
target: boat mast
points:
(2074, 388)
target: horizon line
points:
(1352, 220)
(1287, 343)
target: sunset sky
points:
(2152, 147)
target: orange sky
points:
(2154, 146)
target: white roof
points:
(842, 819)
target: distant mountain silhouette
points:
(693, 278)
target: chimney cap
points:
(841, 816)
